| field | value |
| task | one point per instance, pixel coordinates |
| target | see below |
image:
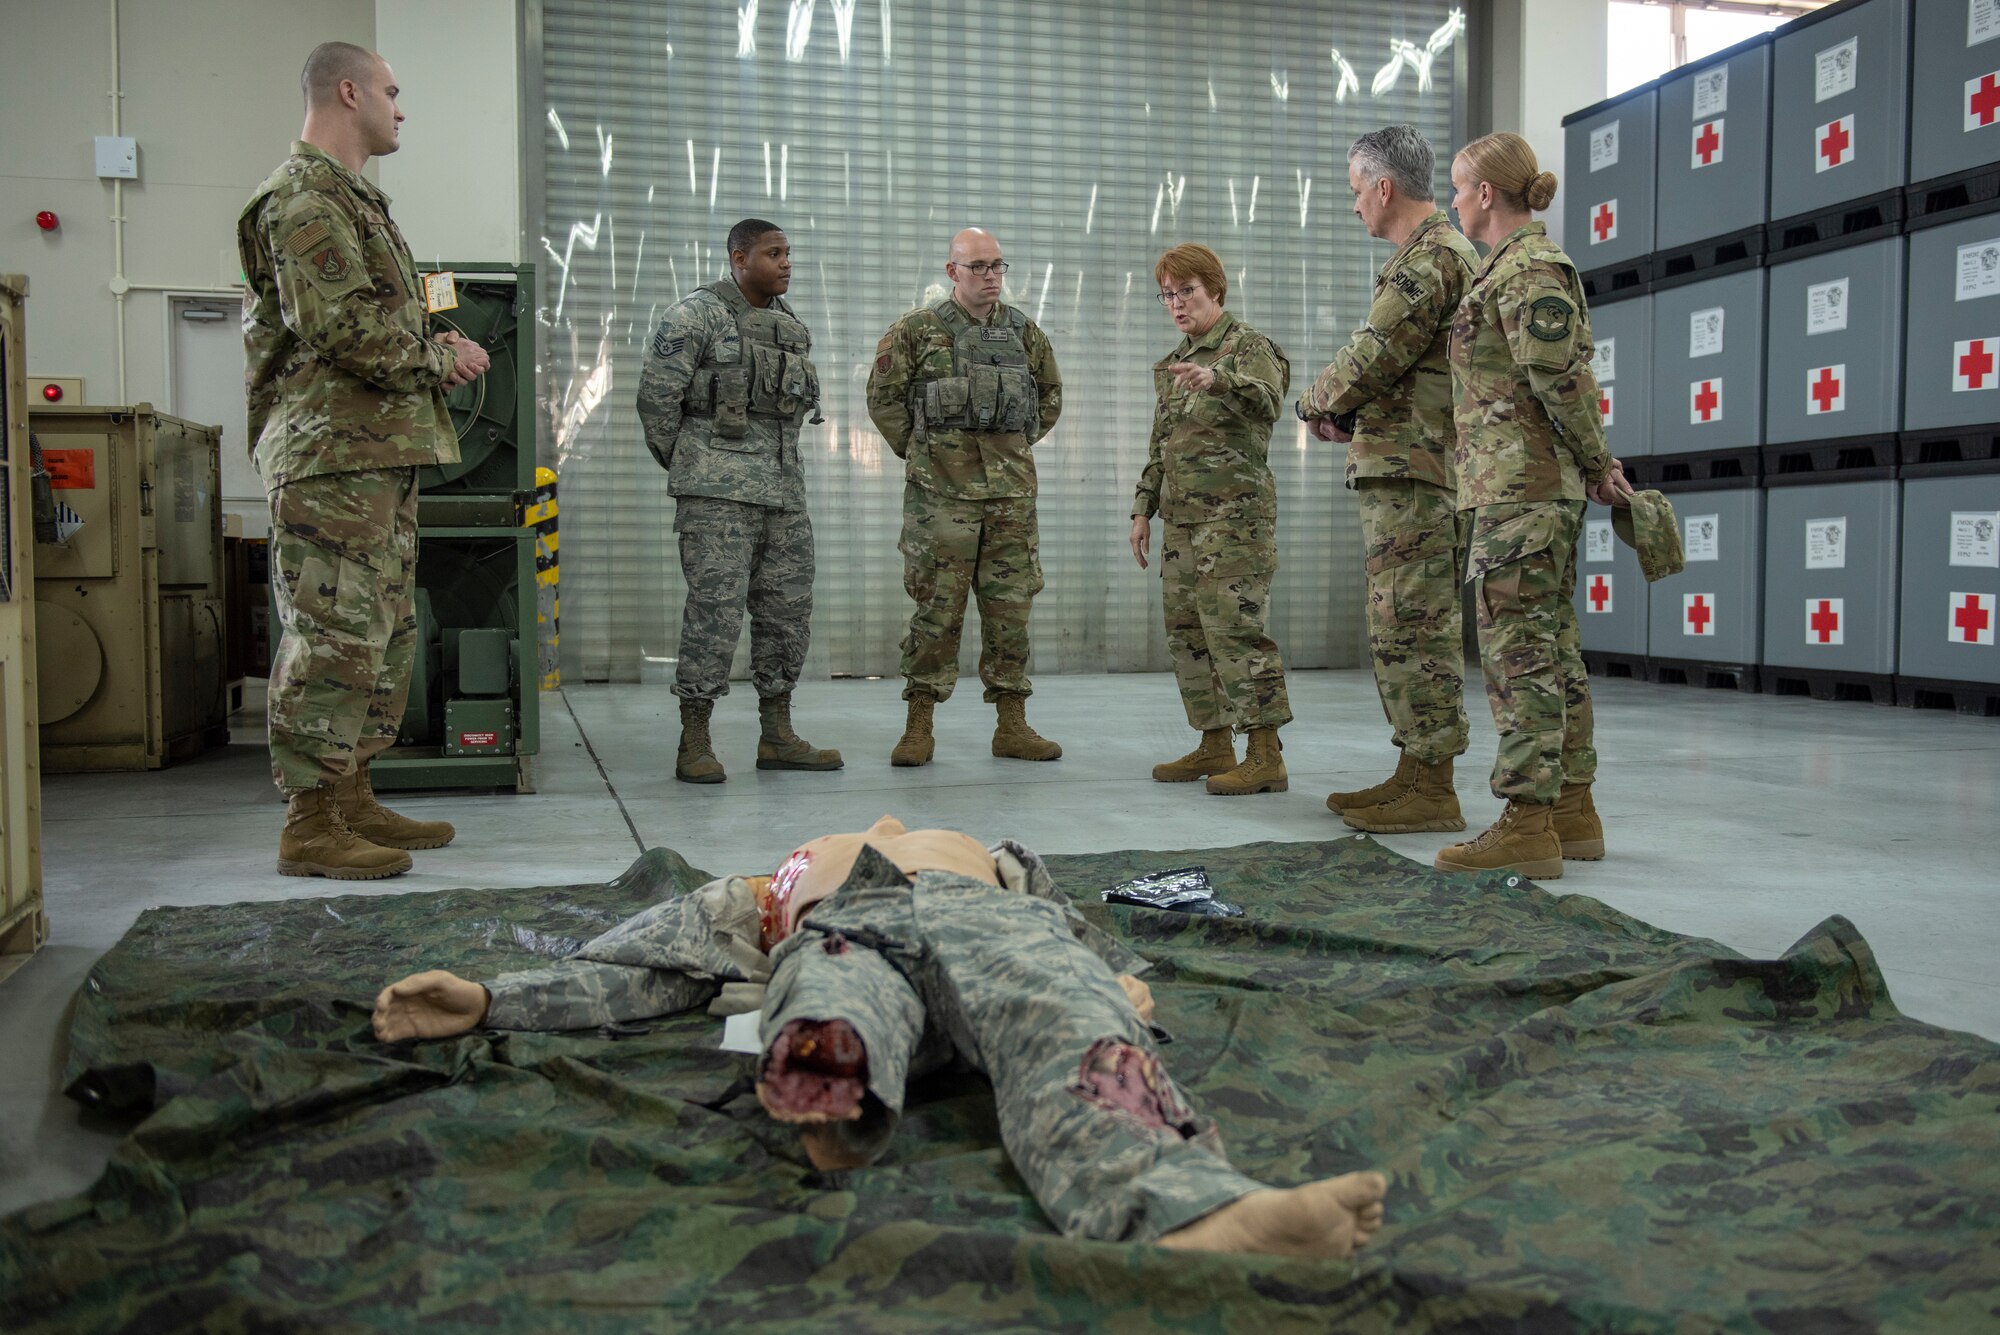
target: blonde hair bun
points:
(1541, 190)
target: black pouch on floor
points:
(1178, 890)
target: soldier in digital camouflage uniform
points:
(1530, 449)
(886, 953)
(726, 384)
(1388, 394)
(1208, 476)
(962, 389)
(345, 401)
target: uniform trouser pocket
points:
(1523, 559)
(1414, 537)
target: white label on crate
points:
(1604, 365)
(1971, 618)
(1826, 621)
(1834, 143)
(1597, 540)
(1826, 544)
(1982, 21)
(1597, 594)
(1604, 147)
(1711, 89)
(1701, 538)
(1978, 270)
(1706, 146)
(1697, 614)
(1826, 307)
(1975, 538)
(1705, 332)
(1972, 364)
(1704, 401)
(1833, 69)
(1607, 404)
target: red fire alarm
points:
(52, 392)
(47, 221)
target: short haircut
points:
(1193, 262)
(1400, 153)
(749, 232)
(329, 64)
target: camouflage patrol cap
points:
(1648, 527)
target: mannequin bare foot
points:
(433, 1004)
(1329, 1218)
(814, 1071)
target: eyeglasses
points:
(981, 268)
(1179, 297)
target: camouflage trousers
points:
(951, 969)
(1523, 566)
(343, 575)
(1413, 535)
(953, 549)
(1215, 587)
(738, 558)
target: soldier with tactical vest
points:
(1208, 476)
(345, 400)
(961, 390)
(726, 384)
(1530, 449)
(1387, 395)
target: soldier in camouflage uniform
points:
(1530, 449)
(962, 389)
(345, 401)
(1388, 395)
(1208, 476)
(726, 384)
(890, 953)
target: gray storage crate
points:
(1708, 365)
(1714, 159)
(1608, 170)
(1611, 593)
(1951, 370)
(1839, 123)
(1833, 337)
(1955, 100)
(1830, 556)
(1951, 580)
(1712, 612)
(1623, 331)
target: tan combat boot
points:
(1262, 770)
(1406, 770)
(916, 745)
(1427, 802)
(1013, 739)
(778, 747)
(1522, 840)
(696, 762)
(1215, 755)
(1577, 825)
(317, 842)
(378, 825)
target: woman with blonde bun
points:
(1530, 449)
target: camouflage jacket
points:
(1395, 372)
(1209, 457)
(960, 464)
(759, 467)
(1527, 416)
(341, 373)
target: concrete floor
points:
(1747, 819)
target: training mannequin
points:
(890, 951)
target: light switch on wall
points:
(118, 156)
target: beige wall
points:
(1548, 59)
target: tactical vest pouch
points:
(1020, 400)
(982, 404)
(732, 401)
(945, 401)
(699, 400)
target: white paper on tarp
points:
(1982, 21)
(1701, 538)
(1826, 544)
(1826, 307)
(1604, 363)
(1975, 538)
(1711, 90)
(739, 1033)
(1597, 540)
(1705, 332)
(1979, 268)
(1833, 69)
(1604, 146)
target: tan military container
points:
(23, 923)
(129, 614)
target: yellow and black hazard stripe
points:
(541, 516)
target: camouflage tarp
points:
(1589, 1124)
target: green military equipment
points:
(990, 387)
(493, 416)
(478, 727)
(762, 372)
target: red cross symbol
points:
(1823, 387)
(1600, 593)
(1974, 619)
(1699, 614)
(1824, 621)
(1982, 100)
(1975, 364)
(1605, 222)
(1835, 138)
(1707, 399)
(1708, 143)
(1604, 404)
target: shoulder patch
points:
(330, 264)
(309, 238)
(1550, 319)
(664, 346)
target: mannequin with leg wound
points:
(902, 950)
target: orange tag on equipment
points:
(71, 470)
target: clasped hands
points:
(471, 362)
